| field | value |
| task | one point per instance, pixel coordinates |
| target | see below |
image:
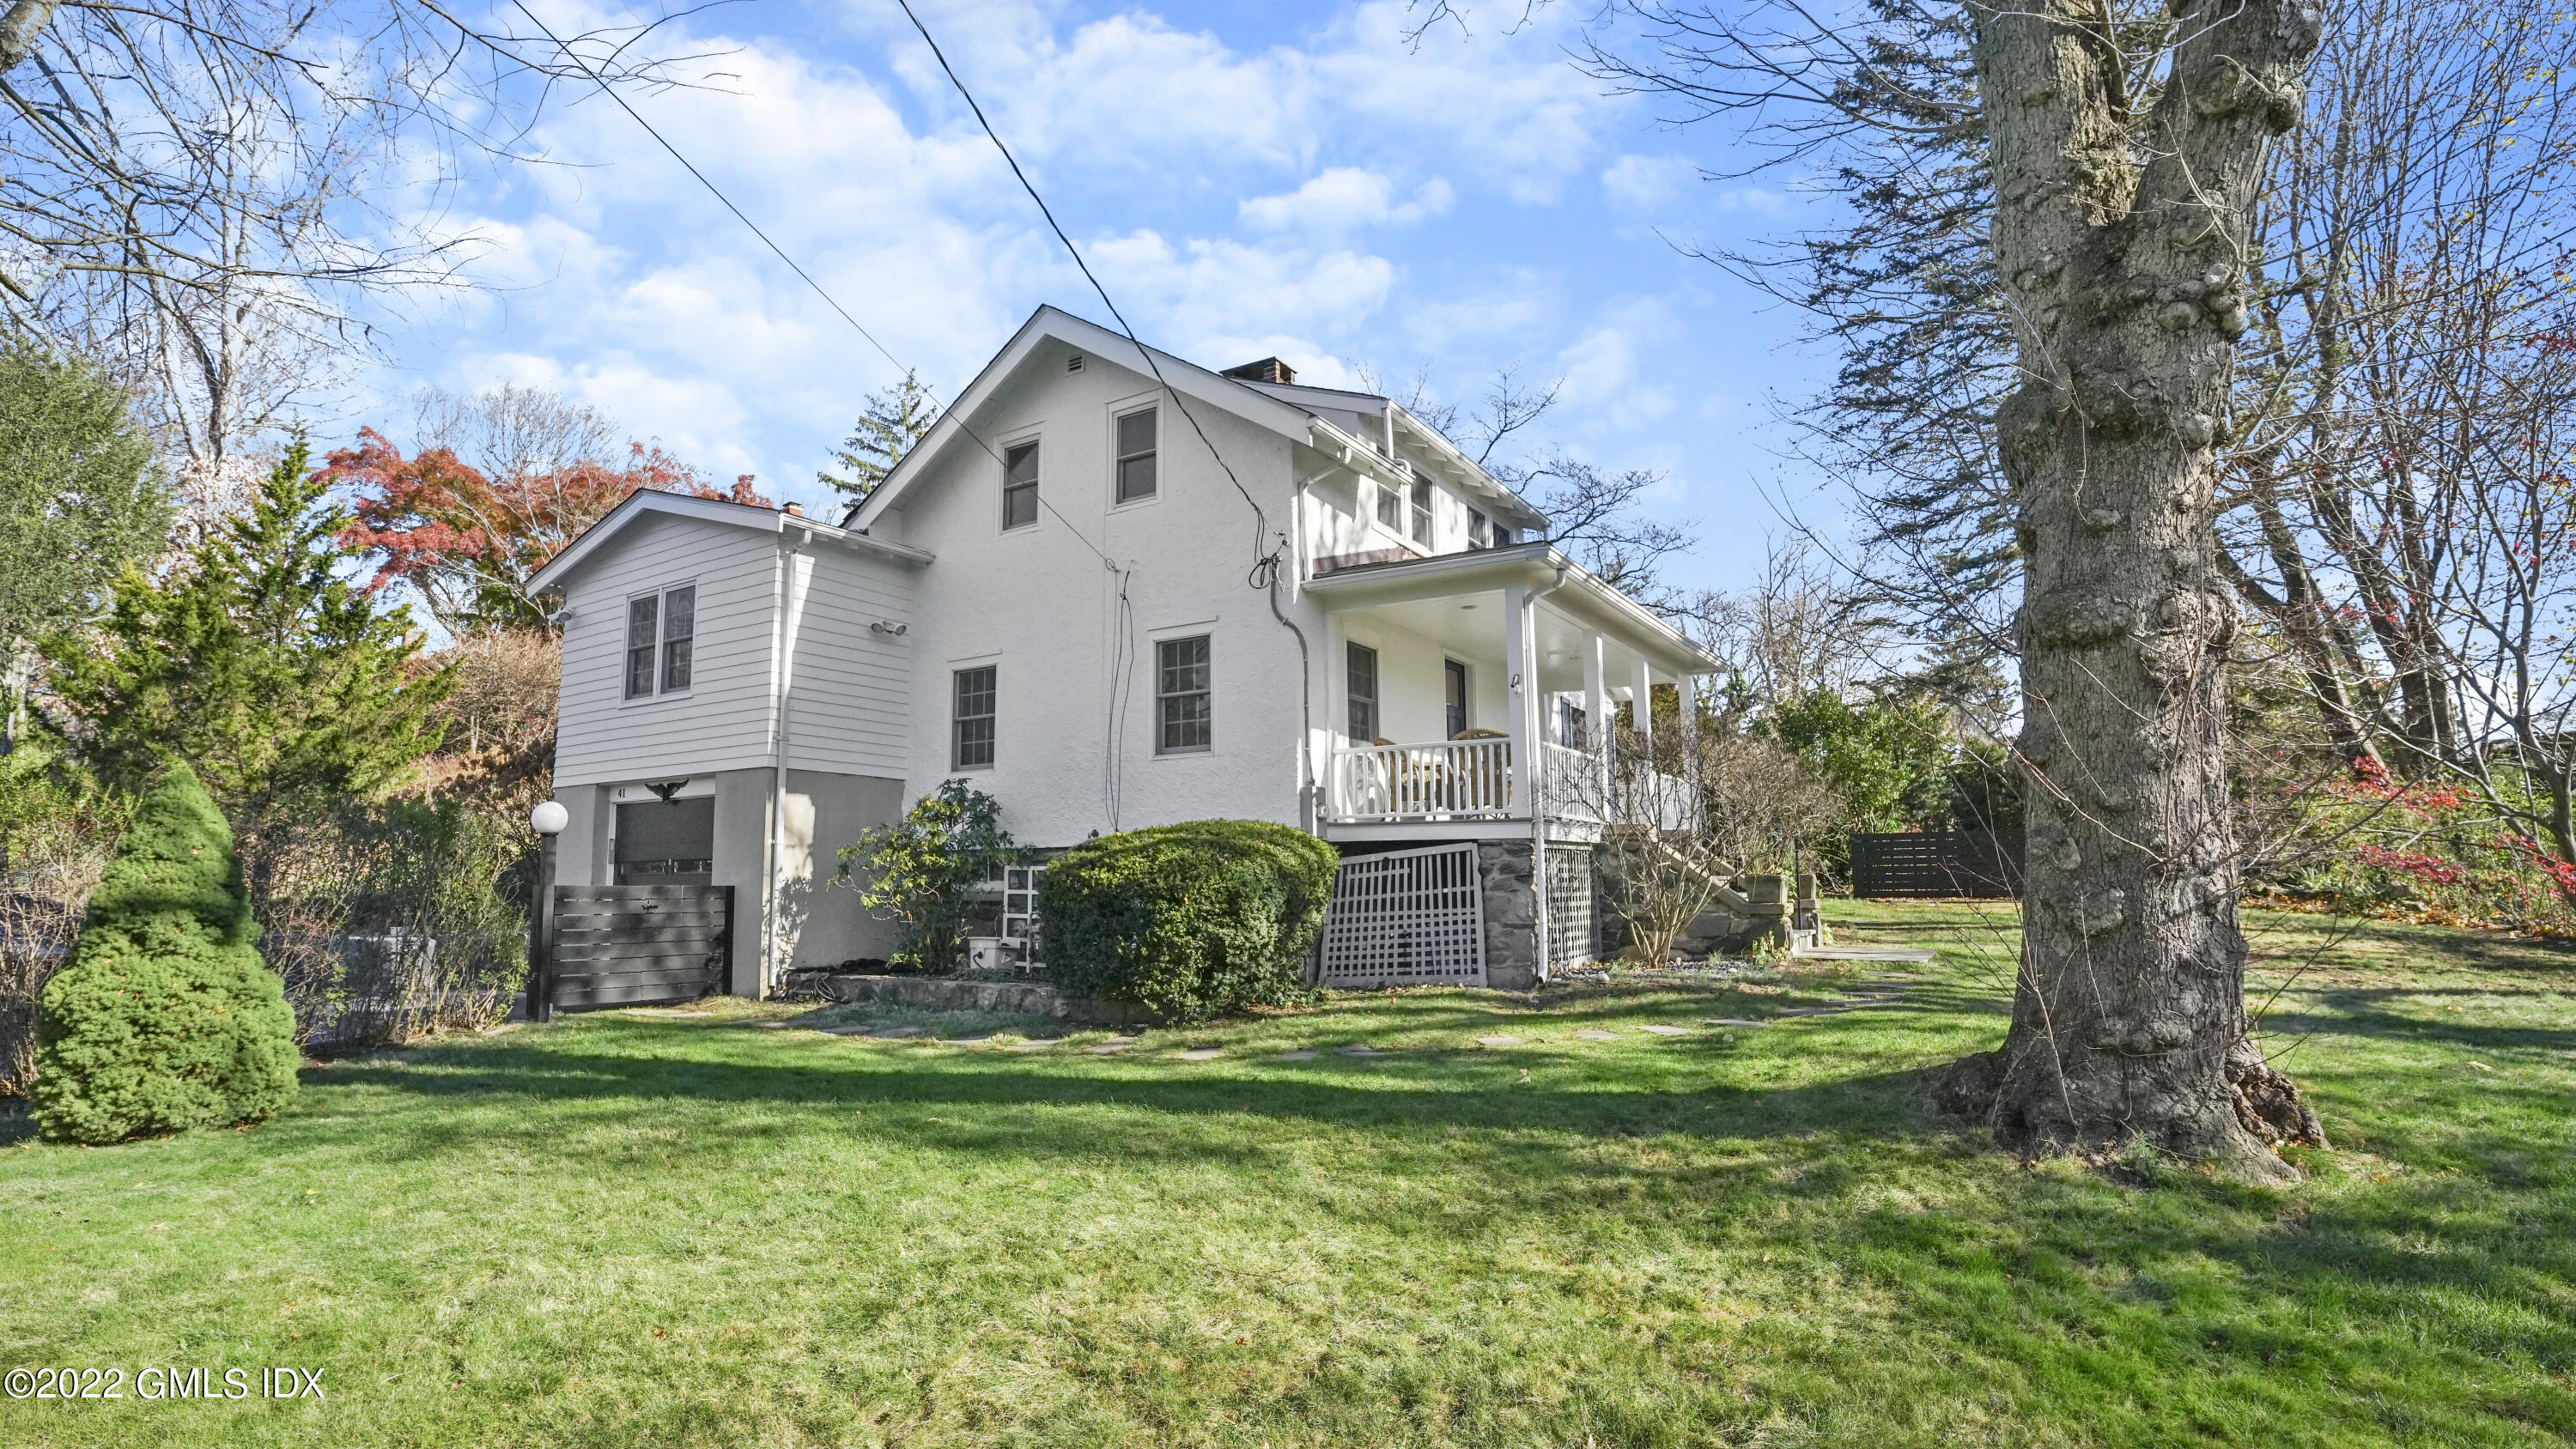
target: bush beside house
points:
(166, 1018)
(1185, 922)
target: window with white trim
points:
(1137, 435)
(1390, 508)
(1480, 530)
(1020, 486)
(1359, 664)
(1183, 718)
(661, 640)
(1422, 511)
(971, 725)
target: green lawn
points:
(687, 1230)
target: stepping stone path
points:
(1114, 1045)
(1359, 1049)
(970, 1041)
(895, 1033)
(1202, 1054)
(1306, 1055)
(1593, 1034)
(1498, 1040)
(1731, 1021)
(1033, 1044)
(1660, 1029)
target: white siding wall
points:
(851, 689)
(722, 721)
(1039, 604)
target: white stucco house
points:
(1061, 596)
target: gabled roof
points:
(647, 502)
(1292, 410)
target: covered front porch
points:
(1472, 693)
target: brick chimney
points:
(1268, 369)
(796, 508)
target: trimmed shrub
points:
(166, 1018)
(1184, 922)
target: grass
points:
(662, 1230)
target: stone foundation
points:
(1511, 910)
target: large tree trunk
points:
(2122, 239)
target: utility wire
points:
(781, 252)
(1263, 577)
(1260, 520)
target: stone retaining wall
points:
(946, 993)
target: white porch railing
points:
(1448, 780)
(1464, 779)
(1575, 784)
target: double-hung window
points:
(1360, 670)
(661, 636)
(1183, 722)
(1136, 439)
(971, 725)
(1480, 530)
(1020, 486)
(1390, 508)
(1422, 511)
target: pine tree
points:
(894, 420)
(79, 499)
(286, 684)
(166, 1019)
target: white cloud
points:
(1344, 199)
(1647, 183)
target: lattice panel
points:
(1407, 917)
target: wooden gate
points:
(634, 945)
(1931, 863)
(1405, 918)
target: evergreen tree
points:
(259, 661)
(894, 420)
(166, 1019)
(79, 500)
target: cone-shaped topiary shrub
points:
(166, 1018)
(1188, 921)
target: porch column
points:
(1687, 687)
(1596, 714)
(1520, 684)
(1641, 706)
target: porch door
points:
(1406, 917)
(1456, 681)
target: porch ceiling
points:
(1457, 599)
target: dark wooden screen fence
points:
(1972, 863)
(634, 945)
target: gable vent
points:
(1073, 363)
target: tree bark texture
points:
(2121, 238)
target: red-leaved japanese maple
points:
(470, 542)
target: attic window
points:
(1480, 530)
(1073, 363)
(1422, 511)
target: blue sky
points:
(1246, 179)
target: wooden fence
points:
(1971, 863)
(633, 945)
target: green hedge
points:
(1184, 922)
(166, 1018)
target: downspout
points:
(783, 640)
(1309, 809)
(1538, 751)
